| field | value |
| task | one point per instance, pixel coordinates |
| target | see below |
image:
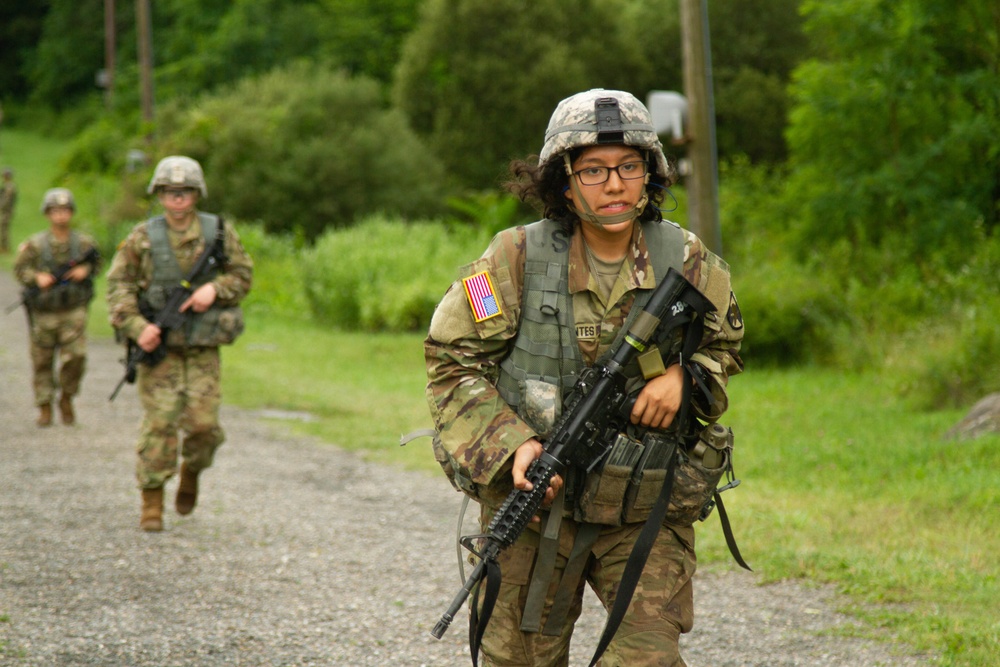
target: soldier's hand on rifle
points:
(658, 402)
(149, 339)
(78, 273)
(44, 280)
(201, 300)
(523, 458)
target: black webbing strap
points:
(647, 537)
(479, 619)
(636, 562)
(727, 530)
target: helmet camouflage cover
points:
(601, 116)
(180, 172)
(57, 197)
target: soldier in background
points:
(56, 268)
(8, 198)
(506, 345)
(181, 393)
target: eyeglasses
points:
(626, 171)
(177, 192)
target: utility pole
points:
(703, 182)
(109, 52)
(144, 31)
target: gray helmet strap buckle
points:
(609, 121)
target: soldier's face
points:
(59, 215)
(615, 195)
(177, 203)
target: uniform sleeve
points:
(475, 425)
(27, 263)
(719, 352)
(123, 286)
(233, 283)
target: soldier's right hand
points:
(149, 339)
(44, 280)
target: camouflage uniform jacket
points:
(30, 255)
(475, 426)
(131, 272)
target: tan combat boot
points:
(66, 410)
(45, 415)
(187, 492)
(152, 510)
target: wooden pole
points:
(703, 182)
(109, 52)
(144, 30)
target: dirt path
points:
(298, 554)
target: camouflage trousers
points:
(660, 610)
(181, 394)
(61, 333)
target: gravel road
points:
(298, 553)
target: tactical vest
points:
(65, 294)
(219, 325)
(546, 349)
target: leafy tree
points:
(479, 78)
(895, 133)
(69, 53)
(21, 26)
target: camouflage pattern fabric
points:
(58, 334)
(181, 394)
(54, 334)
(661, 609)
(573, 124)
(476, 427)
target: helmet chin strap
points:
(588, 213)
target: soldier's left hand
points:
(201, 300)
(659, 400)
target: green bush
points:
(385, 274)
(305, 149)
(277, 282)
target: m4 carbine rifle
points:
(595, 410)
(170, 316)
(60, 274)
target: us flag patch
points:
(482, 297)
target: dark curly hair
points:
(544, 188)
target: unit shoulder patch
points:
(734, 315)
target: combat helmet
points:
(598, 117)
(180, 172)
(601, 116)
(57, 197)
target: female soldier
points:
(541, 303)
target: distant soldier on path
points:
(56, 268)
(8, 198)
(182, 391)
